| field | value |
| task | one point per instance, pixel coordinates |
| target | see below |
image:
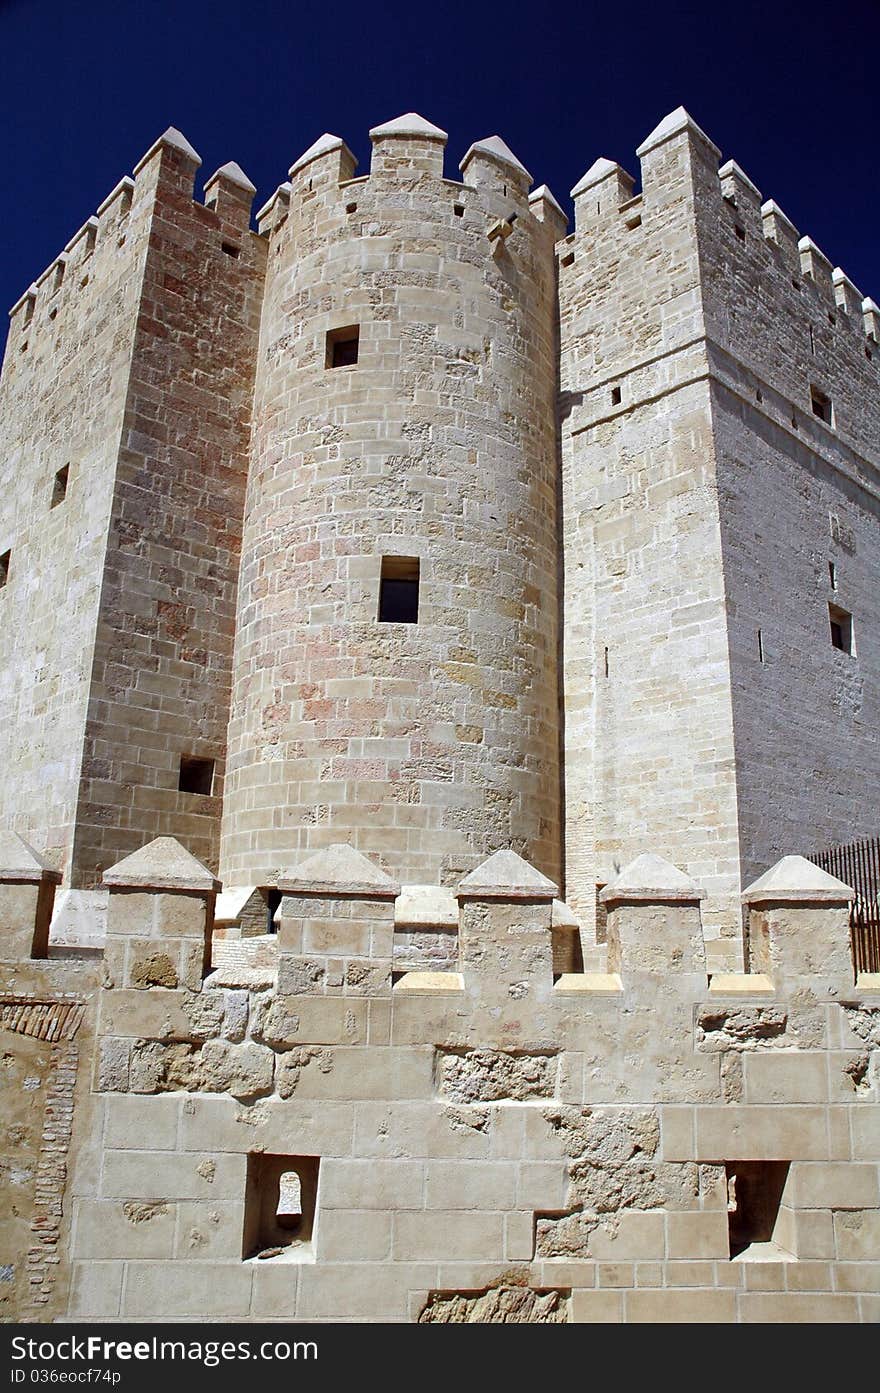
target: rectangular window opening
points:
(615, 396)
(230, 249)
(59, 488)
(567, 260)
(740, 231)
(841, 629)
(832, 575)
(4, 568)
(342, 347)
(399, 590)
(458, 209)
(281, 1194)
(196, 775)
(633, 222)
(821, 405)
(754, 1193)
(761, 657)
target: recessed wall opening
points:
(458, 209)
(821, 406)
(567, 260)
(832, 575)
(230, 249)
(351, 207)
(272, 896)
(740, 231)
(761, 657)
(279, 1206)
(342, 347)
(4, 567)
(196, 775)
(615, 396)
(841, 629)
(754, 1193)
(399, 590)
(59, 487)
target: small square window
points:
(822, 406)
(4, 568)
(230, 249)
(399, 590)
(458, 209)
(615, 396)
(196, 775)
(841, 629)
(280, 1202)
(342, 347)
(59, 488)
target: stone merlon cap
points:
(731, 170)
(177, 141)
(322, 146)
(771, 209)
(411, 124)
(506, 876)
(676, 123)
(29, 294)
(162, 864)
(232, 173)
(650, 878)
(496, 149)
(600, 169)
(796, 880)
(19, 862)
(542, 192)
(339, 870)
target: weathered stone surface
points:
(741, 1027)
(486, 1076)
(244, 1070)
(502, 1305)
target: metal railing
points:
(858, 865)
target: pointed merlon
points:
(281, 195)
(411, 124)
(598, 170)
(19, 862)
(322, 146)
(506, 876)
(772, 213)
(651, 878)
(794, 879)
(676, 123)
(29, 294)
(339, 870)
(232, 173)
(174, 138)
(543, 194)
(496, 148)
(124, 189)
(162, 864)
(562, 917)
(731, 171)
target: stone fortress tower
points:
(302, 527)
(494, 612)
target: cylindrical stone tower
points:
(395, 678)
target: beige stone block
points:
(123, 1229)
(135, 1123)
(487, 1185)
(810, 1276)
(677, 1134)
(864, 1121)
(163, 1175)
(440, 1131)
(372, 1184)
(857, 1234)
(176, 1290)
(95, 1290)
(210, 1230)
(763, 1276)
(373, 1073)
(275, 1290)
(541, 1185)
(519, 1236)
(789, 1308)
(628, 1236)
(447, 1235)
(325, 1020)
(353, 1235)
(649, 1274)
(703, 1235)
(556, 1272)
(857, 1276)
(760, 1133)
(835, 1185)
(781, 1076)
(285, 1127)
(695, 1273)
(597, 1307)
(814, 1233)
(839, 1140)
(615, 1274)
(358, 1291)
(681, 1307)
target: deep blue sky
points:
(87, 85)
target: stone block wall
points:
(481, 1143)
